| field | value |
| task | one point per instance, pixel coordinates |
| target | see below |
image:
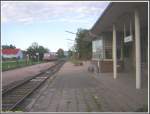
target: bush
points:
(7, 65)
(76, 62)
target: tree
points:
(35, 48)
(82, 47)
(8, 46)
(70, 53)
(41, 51)
(60, 53)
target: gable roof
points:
(10, 51)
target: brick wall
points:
(107, 65)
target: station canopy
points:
(119, 13)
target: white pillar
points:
(114, 53)
(137, 50)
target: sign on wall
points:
(128, 39)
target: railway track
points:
(15, 95)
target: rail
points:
(15, 95)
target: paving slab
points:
(74, 89)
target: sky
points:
(46, 22)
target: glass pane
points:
(108, 48)
(108, 53)
(97, 47)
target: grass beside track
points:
(8, 65)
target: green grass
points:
(8, 65)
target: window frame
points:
(104, 48)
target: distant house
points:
(12, 53)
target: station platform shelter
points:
(120, 40)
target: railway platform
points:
(74, 89)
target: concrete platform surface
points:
(76, 90)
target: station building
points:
(120, 39)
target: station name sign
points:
(128, 39)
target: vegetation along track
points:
(12, 97)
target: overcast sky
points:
(46, 22)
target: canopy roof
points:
(119, 13)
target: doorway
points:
(128, 57)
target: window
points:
(97, 47)
(108, 48)
(108, 53)
(102, 48)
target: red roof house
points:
(11, 53)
